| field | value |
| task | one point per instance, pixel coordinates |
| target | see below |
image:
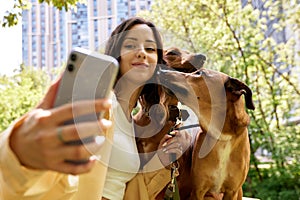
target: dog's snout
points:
(198, 60)
(200, 57)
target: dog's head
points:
(159, 95)
(183, 61)
(210, 94)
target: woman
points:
(138, 54)
(32, 157)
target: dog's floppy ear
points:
(238, 88)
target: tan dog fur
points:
(221, 154)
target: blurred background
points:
(255, 41)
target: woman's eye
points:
(129, 46)
(150, 49)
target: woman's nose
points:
(141, 53)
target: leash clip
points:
(172, 189)
(174, 173)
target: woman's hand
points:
(177, 144)
(40, 141)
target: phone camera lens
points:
(73, 57)
(70, 67)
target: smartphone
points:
(88, 75)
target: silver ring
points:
(59, 135)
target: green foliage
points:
(11, 18)
(258, 47)
(276, 183)
(65, 4)
(20, 93)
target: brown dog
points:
(179, 60)
(221, 154)
(151, 130)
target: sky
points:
(10, 43)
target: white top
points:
(124, 161)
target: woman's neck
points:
(127, 96)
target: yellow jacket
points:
(18, 182)
(146, 186)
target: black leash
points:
(187, 127)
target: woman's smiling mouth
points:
(140, 64)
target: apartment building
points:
(48, 34)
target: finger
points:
(48, 100)
(172, 147)
(83, 153)
(163, 141)
(78, 153)
(80, 108)
(184, 138)
(171, 139)
(75, 153)
(175, 151)
(69, 168)
(81, 131)
(183, 134)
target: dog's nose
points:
(200, 56)
(198, 60)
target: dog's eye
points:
(201, 73)
(173, 53)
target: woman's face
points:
(138, 54)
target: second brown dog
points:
(221, 154)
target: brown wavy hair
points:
(113, 48)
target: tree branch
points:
(281, 74)
(240, 49)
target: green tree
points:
(20, 93)
(13, 15)
(258, 46)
